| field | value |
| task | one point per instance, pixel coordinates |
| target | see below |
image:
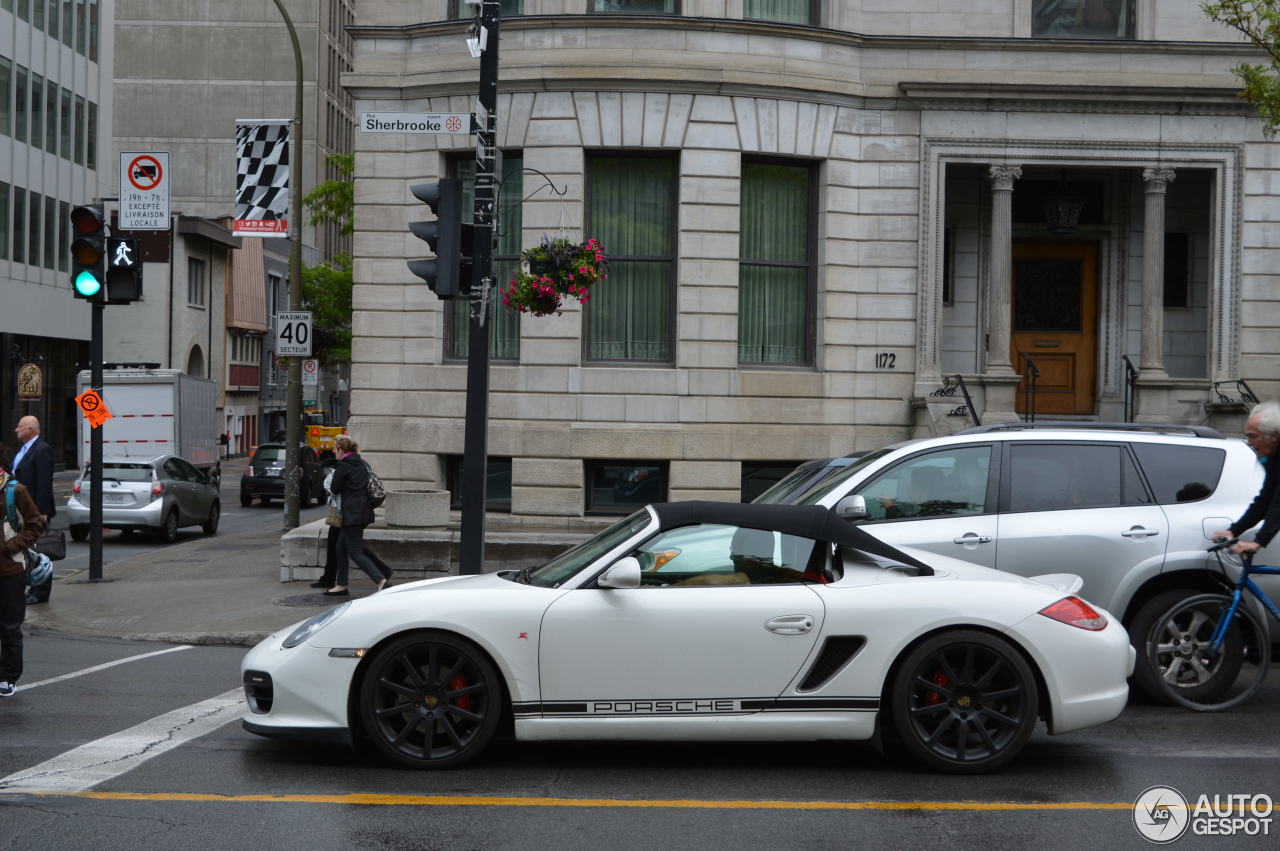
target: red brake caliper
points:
(932, 698)
(464, 702)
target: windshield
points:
(123, 472)
(556, 571)
(268, 456)
(798, 481)
(820, 488)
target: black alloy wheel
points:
(964, 702)
(210, 525)
(245, 500)
(431, 701)
(169, 527)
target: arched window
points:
(195, 362)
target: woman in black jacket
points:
(351, 486)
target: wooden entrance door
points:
(1055, 323)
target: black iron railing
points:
(1029, 376)
(1130, 375)
(1247, 396)
(950, 384)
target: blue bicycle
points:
(1211, 650)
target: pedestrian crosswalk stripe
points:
(101, 760)
(102, 667)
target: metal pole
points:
(95, 448)
(293, 393)
(475, 451)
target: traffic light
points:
(444, 235)
(88, 252)
(124, 270)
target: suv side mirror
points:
(625, 573)
(853, 507)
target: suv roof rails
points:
(1069, 425)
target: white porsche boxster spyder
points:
(702, 621)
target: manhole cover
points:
(302, 600)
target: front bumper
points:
(149, 515)
(298, 693)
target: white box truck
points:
(156, 412)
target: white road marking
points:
(98, 761)
(102, 667)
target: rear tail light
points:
(248, 472)
(1075, 612)
(75, 489)
(157, 488)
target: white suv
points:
(1128, 507)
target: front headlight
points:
(314, 624)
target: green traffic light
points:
(86, 284)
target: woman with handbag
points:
(333, 520)
(23, 524)
(351, 486)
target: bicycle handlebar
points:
(1223, 543)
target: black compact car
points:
(264, 477)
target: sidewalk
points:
(206, 591)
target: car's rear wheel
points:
(79, 531)
(169, 527)
(1175, 652)
(431, 701)
(304, 494)
(245, 500)
(964, 702)
(210, 525)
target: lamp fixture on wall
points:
(1062, 208)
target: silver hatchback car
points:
(159, 495)
(1127, 507)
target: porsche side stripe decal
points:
(698, 706)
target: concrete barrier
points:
(417, 508)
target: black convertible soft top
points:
(806, 521)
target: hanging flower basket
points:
(557, 268)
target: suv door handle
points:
(790, 624)
(971, 538)
(1139, 532)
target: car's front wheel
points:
(210, 525)
(431, 701)
(964, 702)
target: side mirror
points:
(852, 507)
(625, 573)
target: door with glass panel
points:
(1055, 325)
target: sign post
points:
(144, 191)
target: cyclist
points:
(1262, 433)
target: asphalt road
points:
(187, 776)
(117, 546)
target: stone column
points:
(1000, 379)
(999, 265)
(1151, 361)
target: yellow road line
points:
(490, 801)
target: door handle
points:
(970, 538)
(1139, 532)
(790, 624)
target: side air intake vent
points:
(836, 653)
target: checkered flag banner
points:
(262, 177)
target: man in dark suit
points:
(33, 466)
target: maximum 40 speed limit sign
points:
(293, 334)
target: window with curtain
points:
(632, 211)
(774, 267)
(782, 11)
(635, 7)
(504, 333)
(1082, 18)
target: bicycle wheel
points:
(1190, 674)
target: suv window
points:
(1181, 473)
(1045, 476)
(936, 484)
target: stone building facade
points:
(822, 214)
